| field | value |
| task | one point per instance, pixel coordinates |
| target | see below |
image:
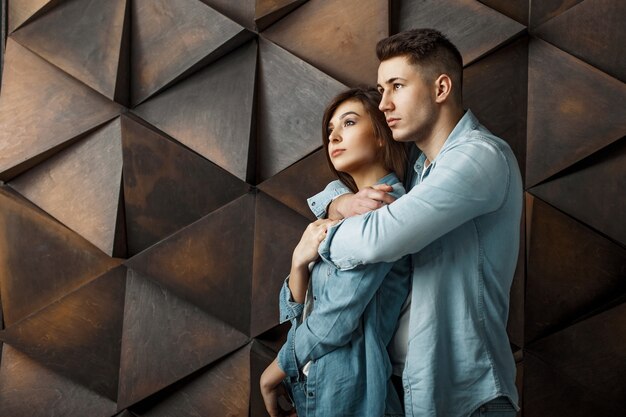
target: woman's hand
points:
(306, 250)
(272, 390)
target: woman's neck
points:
(369, 176)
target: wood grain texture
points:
(29, 389)
(165, 339)
(571, 271)
(474, 28)
(171, 38)
(23, 11)
(337, 37)
(220, 389)
(167, 186)
(241, 11)
(41, 109)
(89, 49)
(590, 190)
(80, 186)
(208, 263)
(277, 231)
(543, 10)
(292, 98)
(591, 353)
(566, 99)
(41, 259)
(303, 179)
(212, 111)
(83, 327)
(599, 37)
(270, 11)
(515, 9)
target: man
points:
(460, 221)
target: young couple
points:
(451, 241)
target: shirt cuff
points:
(289, 309)
(318, 204)
(342, 264)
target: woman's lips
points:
(336, 152)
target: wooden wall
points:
(155, 156)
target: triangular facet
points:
(29, 389)
(212, 111)
(474, 28)
(495, 88)
(89, 48)
(171, 38)
(165, 339)
(42, 108)
(167, 186)
(591, 353)
(241, 11)
(547, 392)
(571, 270)
(277, 231)
(222, 387)
(79, 335)
(23, 11)
(576, 191)
(209, 263)
(80, 186)
(599, 37)
(41, 259)
(292, 98)
(515, 9)
(543, 10)
(269, 11)
(321, 33)
(563, 123)
(303, 179)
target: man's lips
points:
(392, 121)
(336, 152)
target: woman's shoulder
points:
(393, 180)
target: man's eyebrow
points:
(392, 80)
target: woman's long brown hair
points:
(394, 156)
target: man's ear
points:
(443, 85)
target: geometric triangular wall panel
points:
(307, 32)
(156, 157)
(91, 55)
(566, 99)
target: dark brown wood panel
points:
(515, 9)
(212, 111)
(23, 11)
(167, 186)
(80, 186)
(566, 100)
(91, 55)
(339, 38)
(165, 339)
(208, 263)
(169, 38)
(41, 259)
(241, 11)
(543, 10)
(83, 327)
(41, 108)
(29, 389)
(571, 270)
(269, 11)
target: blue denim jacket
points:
(345, 336)
(461, 223)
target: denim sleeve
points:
(320, 201)
(469, 180)
(335, 317)
(289, 311)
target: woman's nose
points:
(334, 136)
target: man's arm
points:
(337, 202)
(468, 181)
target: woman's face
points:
(352, 143)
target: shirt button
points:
(315, 298)
(313, 203)
(311, 394)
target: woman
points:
(335, 361)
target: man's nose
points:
(385, 103)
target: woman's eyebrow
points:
(347, 113)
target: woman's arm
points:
(305, 253)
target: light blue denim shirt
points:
(345, 337)
(461, 223)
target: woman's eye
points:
(348, 123)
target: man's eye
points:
(397, 86)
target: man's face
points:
(408, 100)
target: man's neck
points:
(432, 144)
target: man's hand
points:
(272, 390)
(367, 199)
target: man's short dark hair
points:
(430, 51)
